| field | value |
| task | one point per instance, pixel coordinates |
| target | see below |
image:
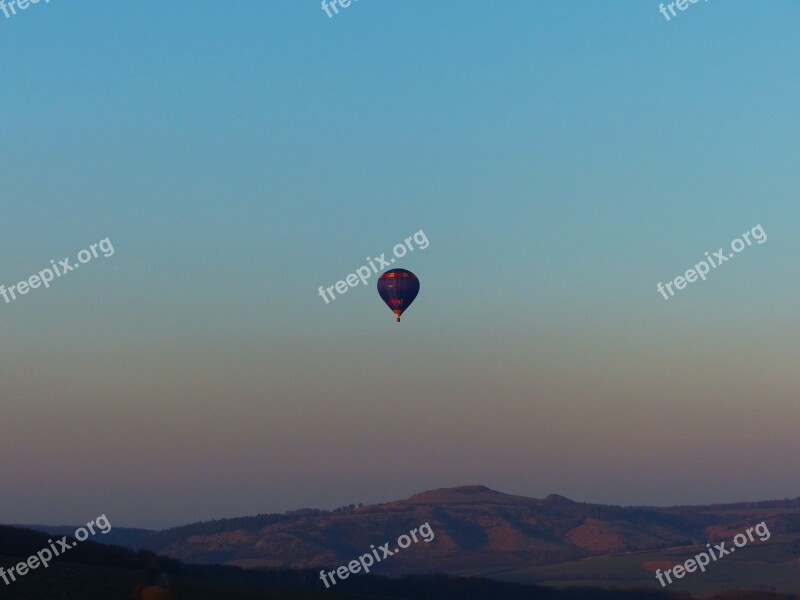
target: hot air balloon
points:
(398, 288)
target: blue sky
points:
(562, 158)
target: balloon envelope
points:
(398, 288)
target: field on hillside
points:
(760, 565)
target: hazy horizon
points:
(387, 501)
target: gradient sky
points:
(562, 158)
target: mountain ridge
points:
(478, 531)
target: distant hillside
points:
(476, 528)
(96, 572)
(479, 531)
(117, 536)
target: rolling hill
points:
(479, 531)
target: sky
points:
(561, 158)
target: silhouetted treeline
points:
(23, 543)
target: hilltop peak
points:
(473, 489)
(465, 494)
(557, 499)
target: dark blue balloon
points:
(398, 288)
